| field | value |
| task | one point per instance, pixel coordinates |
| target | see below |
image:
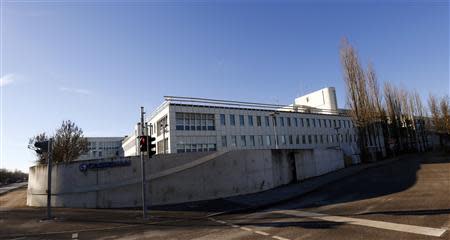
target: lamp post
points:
(273, 115)
(163, 129)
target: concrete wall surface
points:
(176, 178)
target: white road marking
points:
(436, 232)
(246, 229)
(261, 233)
(220, 221)
(280, 238)
(74, 235)
(235, 226)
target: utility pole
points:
(144, 203)
(49, 179)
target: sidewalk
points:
(11, 187)
(250, 202)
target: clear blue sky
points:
(97, 63)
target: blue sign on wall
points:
(86, 166)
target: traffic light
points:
(151, 146)
(143, 143)
(41, 147)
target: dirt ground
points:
(14, 199)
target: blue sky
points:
(97, 63)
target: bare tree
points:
(68, 144)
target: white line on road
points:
(261, 233)
(280, 238)
(246, 229)
(436, 232)
(74, 235)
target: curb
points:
(314, 189)
(13, 189)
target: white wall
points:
(323, 99)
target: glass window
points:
(179, 121)
(314, 122)
(205, 147)
(211, 147)
(297, 139)
(252, 140)
(198, 122)
(319, 121)
(304, 139)
(192, 121)
(309, 139)
(241, 120)
(233, 141)
(187, 120)
(243, 141)
(222, 119)
(307, 122)
(232, 120)
(324, 123)
(258, 121)
(267, 121)
(268, 142)
(180, 148)
(283, 139)
(260, 140)
(321, 138)
(282, 121)
(250, 120)
(204, 124)
(291, 141)
(288, 121)
(193, 147)
(340, 123)
(210, 122)
(274, 121)
(303, 123)
(315, 139)
(296, 122)
(224, 141)
(334, 121)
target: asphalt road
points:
(407, 199)
(12, 186)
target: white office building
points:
(183, 124)
(103, 147)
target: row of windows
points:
(199, 147)
(195, 121)
(267, 140)
(284, 121)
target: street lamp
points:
(273, 115)
(163, 129)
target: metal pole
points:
(49, 179)
(144, 203)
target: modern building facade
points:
(196, 125)
(103, 147)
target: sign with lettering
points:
(121, 163)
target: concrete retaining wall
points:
(176, 178)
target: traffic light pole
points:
(49, 179)
(144, 202)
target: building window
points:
(315, 139)
(243, 141)
(268, 142)
(179, 121)
(288, 121)
(250, 121)
(232, 120)
(324, 123)
(314, 122)
(222, 119)
(180, 148)
(274, 121)
(252, 140)
(304, 139)
(321, 139)
(303, 123)
(267, 121)
(307, 122)
(258, 121)
(204, 121)
(282, 121)
(291, 141)
(297, 139)
(319, 121)
(241, 120)
(296, 122)
(198, 121)
(224, 141)
(233, 141)
(334, 121)
(283, 139)
(260, 140)
(211, 147)
(210, 122)
(309, 139)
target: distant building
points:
(103, 147)
(196, 125)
